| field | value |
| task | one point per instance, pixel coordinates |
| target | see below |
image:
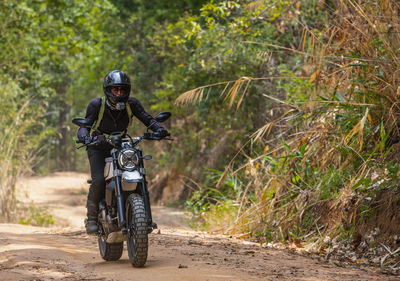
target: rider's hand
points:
(161, 133)
(100, 139)
(87, 139)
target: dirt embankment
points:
(64, 252)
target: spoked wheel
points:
(110, 251)
(136, 240)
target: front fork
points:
(120, 199)
(146, 197)
(146, 200)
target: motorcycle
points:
(125, 213)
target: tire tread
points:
(138, 215)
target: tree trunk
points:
(64, 162)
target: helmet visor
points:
(119, 91)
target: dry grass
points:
(233, 92)
(308, 187)
(374, 96)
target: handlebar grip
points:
(96, 142)
(147, 135)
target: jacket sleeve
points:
(143, 116)
(92, 112)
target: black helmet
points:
(116, 78)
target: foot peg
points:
(152, 227)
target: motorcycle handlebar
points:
(155, 136)
(146, 136)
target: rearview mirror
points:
(162, 116)
(80, 121)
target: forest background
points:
(284, 112)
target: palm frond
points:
(237, 91)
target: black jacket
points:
(116, 121)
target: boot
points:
(91, 227)
(91, 220)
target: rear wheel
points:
(110, 251)
(136, 240)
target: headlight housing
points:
(128, 159)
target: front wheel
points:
(136, 240)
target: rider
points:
(109, 114)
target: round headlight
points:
(128, 159)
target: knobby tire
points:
(137, 240)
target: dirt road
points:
(64, 252)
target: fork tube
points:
(145, 193)
(146, 199)
(120, 199)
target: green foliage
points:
(332, 182)
(42, 44)
(204, 198)
(297, 89)
(346, 233)
(339, 120)
(37, 217)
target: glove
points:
(87, 139)
(161, 133)
(100, 139)
(81, 139)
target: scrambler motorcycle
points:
(125, 213)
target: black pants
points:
(96, 157)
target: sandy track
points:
(65, 252)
